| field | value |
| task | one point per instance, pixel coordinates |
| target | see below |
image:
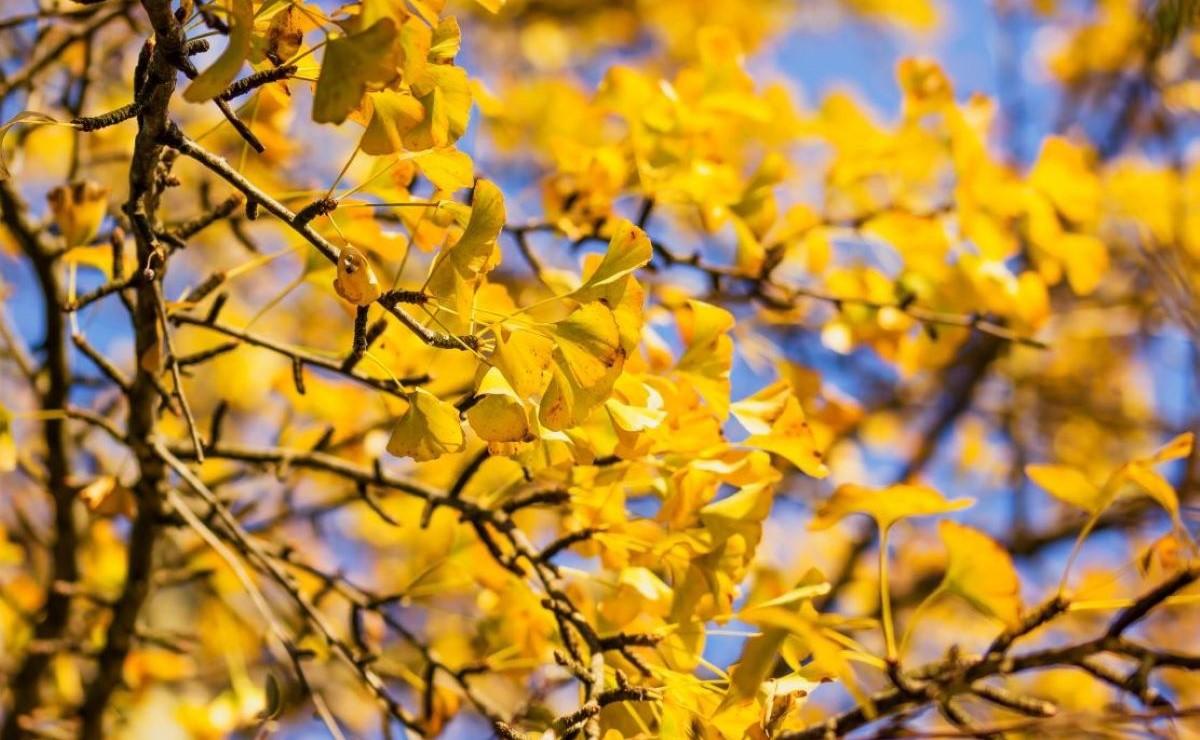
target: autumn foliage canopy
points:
(639, 369)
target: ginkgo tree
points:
(551, 369)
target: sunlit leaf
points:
(885, 505)
(429, 429)
(981, 572)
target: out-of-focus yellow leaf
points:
(27, 117)
(216, 78)
(981, 572)
(105, 496)
(428, 429)
(1067, 485)
(8, 445)
(885, 505)
(78, 210)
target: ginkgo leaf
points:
(498, 415)
(777, 424)
(628, 250)
(447, 104)
(28, 117)
(456, 274)
(393, 115)
(105, 496)
(1140, 472)
(801, 593)
(708, 357)
(429, 429)
(473, 252)
(499, 418)
(285, 35)
(523, 357)
(356, 281)
(213, 81)
(8, 445)
(446, 41)
(1178, 448)
(448, 169)
(1154, 485)
(588, 344)
(885, 505)
(1068, 485)
(78, 210)
(633, 418)
(981, 571)
(350, 63)
(566, 401)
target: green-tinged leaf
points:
(350, 63)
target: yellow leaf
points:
(1064, 172)
(8, 445)
(630, 418)
(356, 281)
(448, 169)
(29, 117)
(446, 41)
(447, 104)
(428, 429)
(708, 357)
(492, 6)
(628, 250)
(886, 505)
(285, 35)
(393, 115)
(216, 78)
(523, 357)
(105, 496)
(588, 344)
(777, 424)
(78, 210)
(499, 415)
(981, 572)
(1177, 449)
(1156, 487)
(473, 252)
(350, 63)
(1068, 485)
(1086, 260)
